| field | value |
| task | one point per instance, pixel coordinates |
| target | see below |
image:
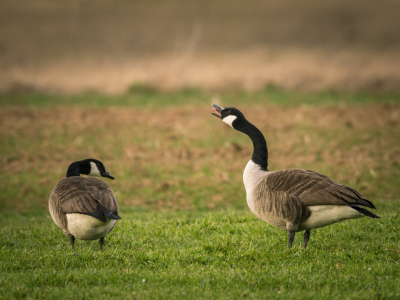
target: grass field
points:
(186, 231)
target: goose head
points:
(90, 166)
(229, 115)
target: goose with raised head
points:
(84, 208)
(293, 199)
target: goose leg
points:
(72, 240)
(291, 238)
(101, 242)
(306, 238)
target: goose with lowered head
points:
(293, 199)
(84, 208)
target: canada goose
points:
(294, 199)
(84, 208)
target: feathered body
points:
(84, 208)
(74, 207)
(297, 199)
(293, 199)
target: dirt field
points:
(183, 158)
(75, 46)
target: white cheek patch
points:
(229, 120)
(94, 171)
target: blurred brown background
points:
(106, 46)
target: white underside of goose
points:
(321, 215)
(324, 215)
(85, 227)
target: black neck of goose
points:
(260, 152)
(79, 167)
(73, 170)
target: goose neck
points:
(73, 170)
(260, 151)
(77, 168)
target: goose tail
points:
(102, 213)
(365, 212)
(365, 202)
(111, 214)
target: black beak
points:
(216, 111)
(108, 175)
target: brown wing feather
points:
(56, 212)
(311, 187)
(279, 205)
(102, 192)
(81, 195)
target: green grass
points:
(219, 255)
(147, 97)
(186, 229)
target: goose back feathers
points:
(294, 195)
(84, 196)
(311, 188)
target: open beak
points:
(216, 111)
(108, 175)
